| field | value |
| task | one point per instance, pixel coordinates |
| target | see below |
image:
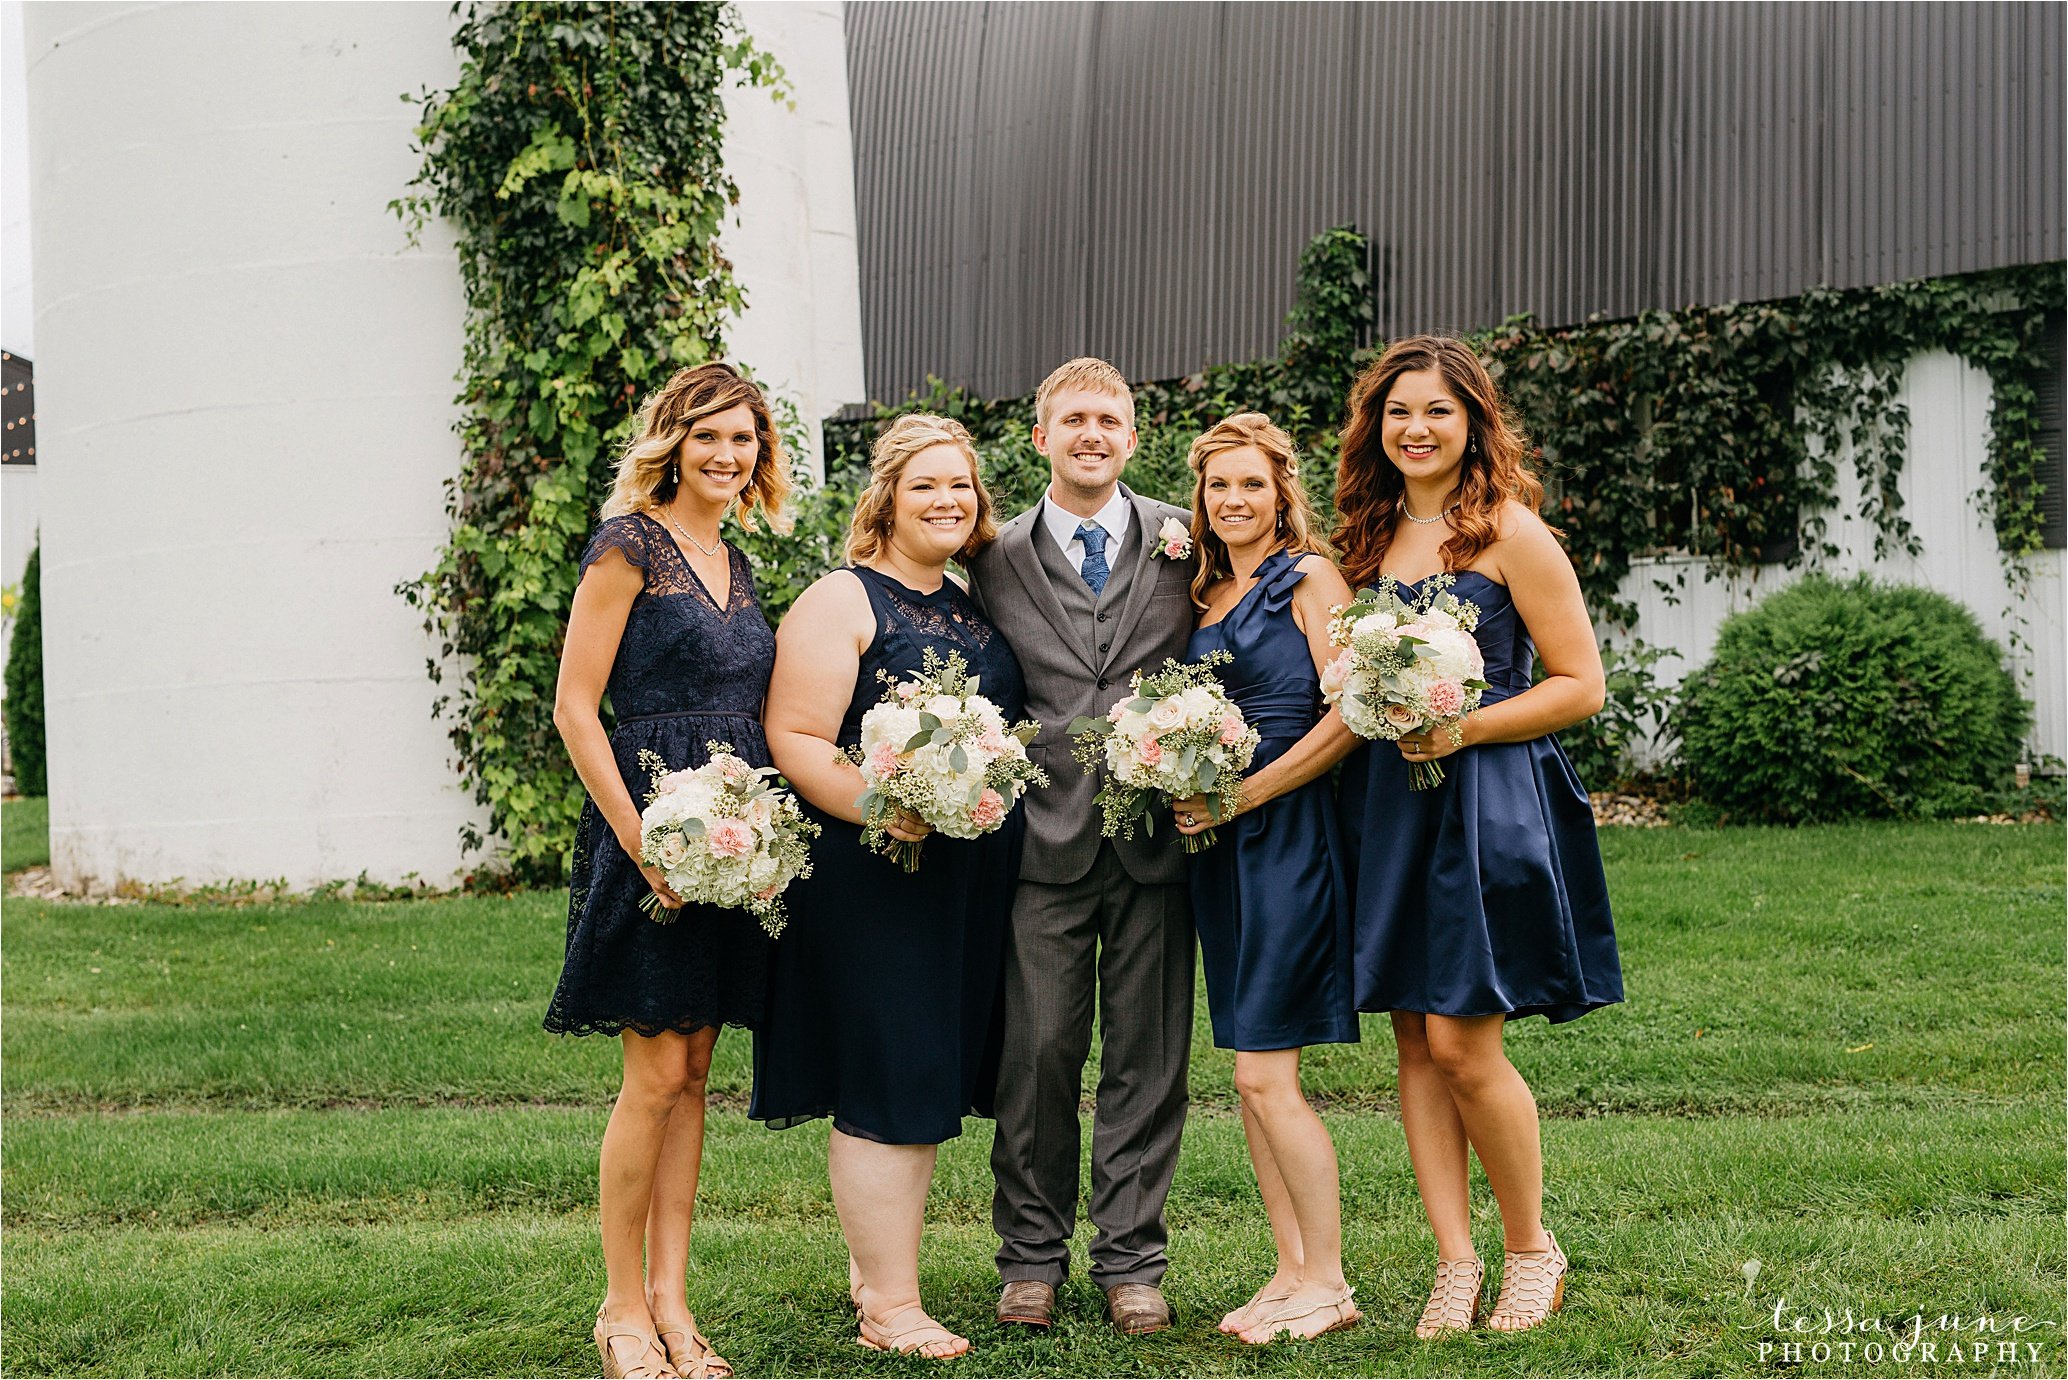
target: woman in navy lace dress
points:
(1481, 899)
(666, 619)
(882, 1002)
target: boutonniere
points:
(1174, 540)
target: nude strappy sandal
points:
(1342, 1313)
(910, 1341)
(1532, 1288)
(1454, 1302)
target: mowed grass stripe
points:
(275, 1168)
(1768, 970)
(510, 1295)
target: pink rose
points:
(906, 690)
(988, 811)
(991, 741)
(1116, 713)
(883, 761)
(1399, 716)
(737, 771)
(1149, 753)
(730, 838)
(1446, 699)
(1231, 730)
(1335, 677)
(1172, 550)
(768, 893)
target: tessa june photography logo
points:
(1797, 1333)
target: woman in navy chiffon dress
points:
(883, 999)
(1482, 898)
(1269, 895)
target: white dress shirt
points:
(1063, 526)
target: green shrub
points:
(1835, 701)
(25, 743)
(1634, 716)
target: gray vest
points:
(1076, 595)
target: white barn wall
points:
(793, 243)
(244, 385)
(1948, 402)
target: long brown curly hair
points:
(1370, 489)
(1294, 514)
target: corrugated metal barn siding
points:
(1137, 180)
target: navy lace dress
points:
(883, 1000)
(687, 672)
(1483, 895)
(1269, 897)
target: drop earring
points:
(674, 474)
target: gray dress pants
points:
(1133, 943)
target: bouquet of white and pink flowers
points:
(723, 836)
(1405, 665)
(937, 749)
(1177, 734)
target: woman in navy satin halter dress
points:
(1480, 899)
(1269, 896)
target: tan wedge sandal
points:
(692, 1357)
(1532, 1288)
(653, 1362)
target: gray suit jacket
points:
(1068, 674)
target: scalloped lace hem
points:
(684, 1026)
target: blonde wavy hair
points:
(868, 531)
(1295, 513)
(646, 477)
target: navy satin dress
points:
(883, 998)
(1269, 897)
(1483, 895)
(688, 671)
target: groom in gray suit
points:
(1081, 588)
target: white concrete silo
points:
(244, 385)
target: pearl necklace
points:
(1427, 520)
(710, 550)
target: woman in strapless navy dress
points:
(665, 617)
(882, 1002)
(1480, 899)
(1269, 896)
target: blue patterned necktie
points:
(1094, 569)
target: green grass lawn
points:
(329, 1138)
(24, 833)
